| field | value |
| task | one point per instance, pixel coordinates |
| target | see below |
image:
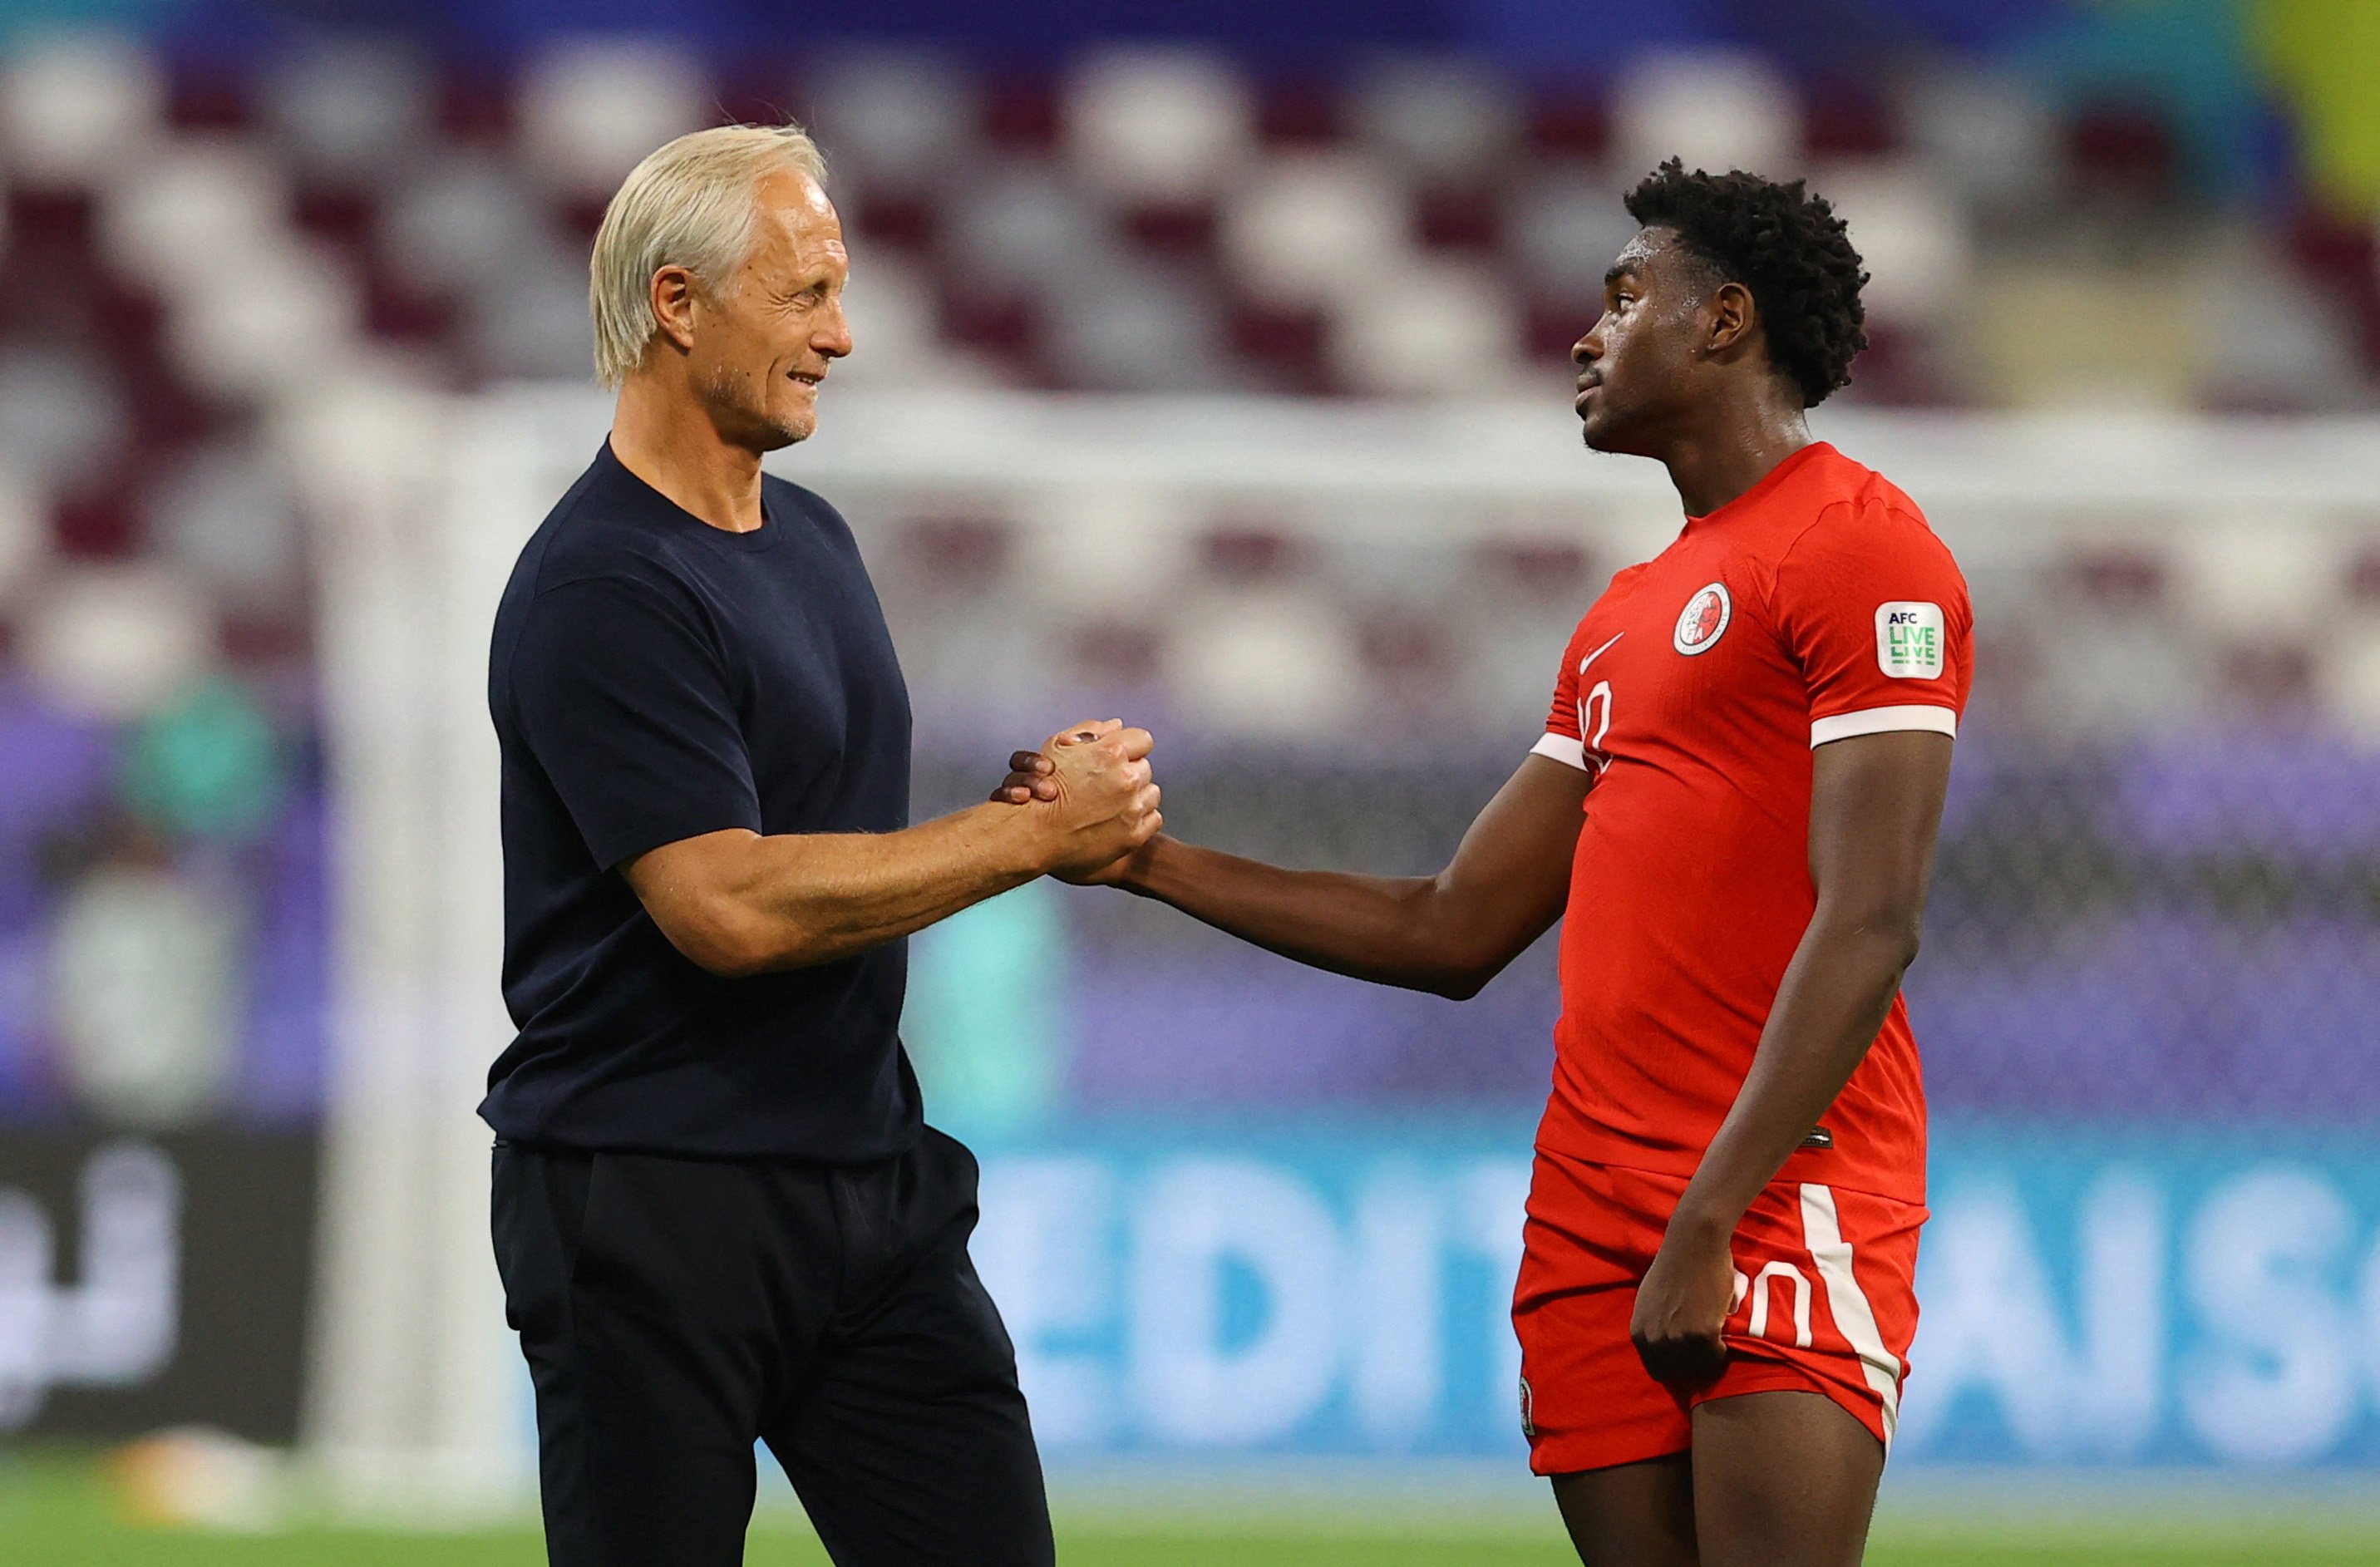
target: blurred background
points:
(1212, 371)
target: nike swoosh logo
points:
(1599, 652)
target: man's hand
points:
(1093, 796)
(1033, 777)
(1683, 1305)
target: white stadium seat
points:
(353, 112)
(1160, 127)
(1143, 329)
(898, 120)
(531, 322)
(590, 110)
(1715, 110)
(224, 517)
(1265, 663)
(1471, 344)
(462, 221)
(200, 209)
(1990, 141)
(1912, 238)
(74, 107)
(58, 412)
(1305, 228)
(1440, 118)
(1021, 227)
(114, 641)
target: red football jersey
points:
(1814, 607)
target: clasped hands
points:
(1091, 785)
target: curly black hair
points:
(1786, 246)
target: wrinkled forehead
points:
(795, 214)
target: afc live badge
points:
(1909, 639)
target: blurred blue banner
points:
(1336, 1289)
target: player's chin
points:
(1601, 433)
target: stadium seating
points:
(188, 255)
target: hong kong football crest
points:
(1704, 621)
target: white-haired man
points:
(718, 1215)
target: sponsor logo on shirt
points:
(1909, 640)
(1704, 620)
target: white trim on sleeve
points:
(1563, 748)
(1882, 721)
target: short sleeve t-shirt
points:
(1815, 607)
(654, 678)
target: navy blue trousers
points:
(673, 1312)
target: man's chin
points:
(777, 433)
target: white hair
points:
(689, 204)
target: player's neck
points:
(668, 438)
(1726, 455)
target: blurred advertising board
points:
(2168, 1298)
(149, 1280)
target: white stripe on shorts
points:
(1822, 1231)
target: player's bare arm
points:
(1448, 933)
(1875, 805)
(737, 902)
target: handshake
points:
(1092, 799)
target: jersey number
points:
(1595, 709)
(1595, 719)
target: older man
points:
(718, 1215)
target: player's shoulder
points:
(1833, 488)
(1844, 504)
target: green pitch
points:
(57, 1512)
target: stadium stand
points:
(188, 255)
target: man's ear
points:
(1733, 319)
(672, 298)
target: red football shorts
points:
(1824, 1303)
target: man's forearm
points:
(793, 900)
(1830, 1008)
(1385, 929)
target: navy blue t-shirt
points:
(655, 679)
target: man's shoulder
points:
(598, 530)
(782, 495)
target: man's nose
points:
(833, 338)
(1589, 348)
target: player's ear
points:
(1733, 316)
